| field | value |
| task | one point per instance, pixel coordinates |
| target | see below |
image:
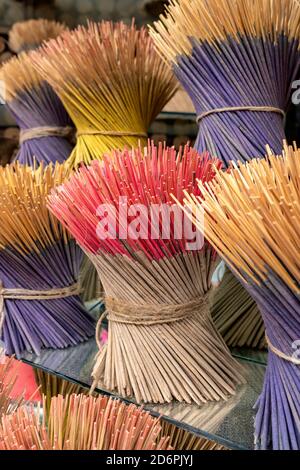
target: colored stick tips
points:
(45, 127)
(122, 87)
(156, 273)
(39, 266)
(79, 422)
(251, 216)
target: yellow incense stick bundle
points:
(111, 81)
(26, 35)
(79, 422)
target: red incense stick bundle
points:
(156, 273)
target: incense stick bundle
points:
(236, 315)
(162, 343)
(237, 60)
(39, 266)
(78, 422)
(26, 35)
(251, 218)
(45, 127)
(118, 92)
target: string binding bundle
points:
(79, 422)
(40, 305)
(162, 343)
(251, 218)
(120, 90)
(237, 61)
(27, 35)
(45, 127)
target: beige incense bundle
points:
(156, 273)
(79, 422)
(26, 35)
(112, 83)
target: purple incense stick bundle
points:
(40, 305)
(252, 219)
(237, 60)
(45, 127)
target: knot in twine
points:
(45, 131)
(32, 294)
(233, 109)
(120, 311)
(112, 133)
(281, 354)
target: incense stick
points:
(39, 266)
(251, 218)
(78, 422)
(26, 35)
(117, 94)
(45, 127)
(7, 382)
(161, 342)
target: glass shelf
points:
(228, 422)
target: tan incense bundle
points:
(79, 422)
(26, 35)
(112, 83)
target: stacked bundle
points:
(78, 422)
(45, 126)
(118, 92)
(39, 265)
(251, 219)
(237, 60)
(26, 35)
(156, 273)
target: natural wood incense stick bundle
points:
(237, 60)
(251, 218)
(78, 422)
(118, 92)
(162, 343)
(45, 127)
(39, 266)
(26, 35)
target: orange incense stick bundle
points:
(79, 422)
(156, 273)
